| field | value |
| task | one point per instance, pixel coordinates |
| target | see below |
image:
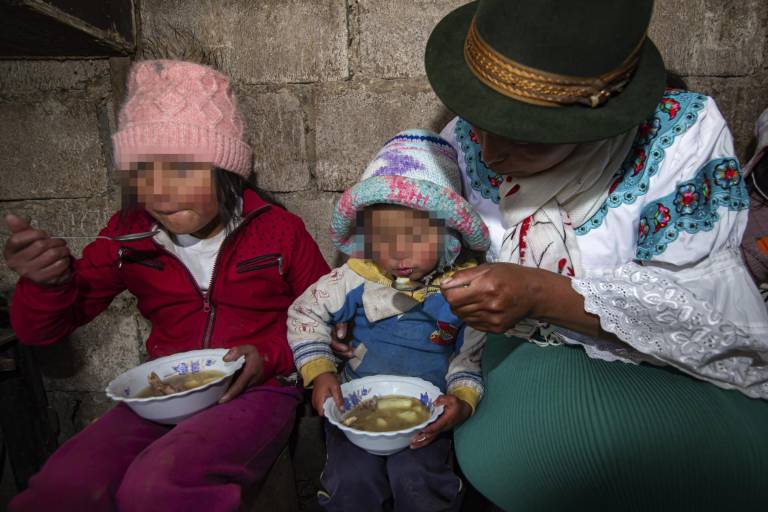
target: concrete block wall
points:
(322, 83)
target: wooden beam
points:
(38, 28)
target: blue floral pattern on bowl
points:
(171, 409)
(183, 368)
(351, 400)
(357, 390)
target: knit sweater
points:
(393, 333)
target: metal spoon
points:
(120, 238)
(412, 286)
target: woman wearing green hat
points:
(616, 209)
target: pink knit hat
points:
(180, 108)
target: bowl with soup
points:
(382, 413)
(172, 388)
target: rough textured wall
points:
(322, 84)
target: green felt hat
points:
(576, 39)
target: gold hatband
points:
(538, 87)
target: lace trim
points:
(660, 318)
(605, 350)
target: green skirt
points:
(557, 430)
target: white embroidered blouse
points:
(659, 260)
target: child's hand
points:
(325, 385)
(455, 413)
(249, 375)
(33, 254)
(340, 338)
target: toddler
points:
(407, 223)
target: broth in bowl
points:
(177, 383)
(175, 407)
(386, 414)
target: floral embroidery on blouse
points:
(676, 113)
(692, 207)
(483, 179)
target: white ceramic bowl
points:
(171, 409)
(355, 391)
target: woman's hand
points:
(250, 374)
(494, 297)
(33, 254)
(325, 385)
(455, 413)
(340, 338)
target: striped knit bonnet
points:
(416, 169)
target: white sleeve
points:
(311, 315)
(707, 319)
(679, 197)
(700, 196)
(666, 275)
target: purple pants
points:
(124, 462)
(407, 481)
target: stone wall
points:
(322, 83)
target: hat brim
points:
(412, 193)
(484, 108)
(187, 142)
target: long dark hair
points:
(229, 190)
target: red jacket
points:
(262, 266)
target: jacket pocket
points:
(261, 262)
(148, 259)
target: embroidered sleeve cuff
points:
(469, 395)
(314, 368)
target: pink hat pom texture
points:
(180, 108)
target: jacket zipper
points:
(260, 262)
(208, 306)
(123, 256)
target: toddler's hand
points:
(455, 413)
(340, 338)
(325, 385)
(33, 254)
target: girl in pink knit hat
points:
(220, 272)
